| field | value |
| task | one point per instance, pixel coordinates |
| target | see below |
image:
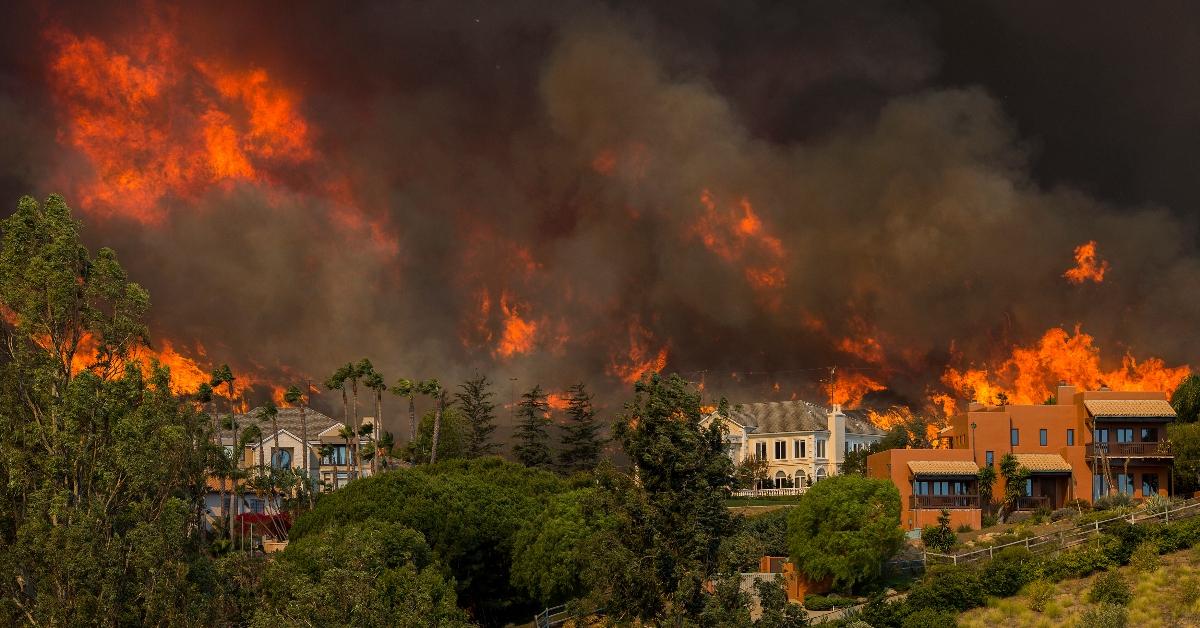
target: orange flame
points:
(639, 359)
(518, 334)
(738, 236)
(850, 388)
(557, 401)
(1030, 374)
(904, 416)
(1088, 266)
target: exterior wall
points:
(893, 465)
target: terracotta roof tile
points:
(1043, 463)
(943, 467)
(1129, 407)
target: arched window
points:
(820, 474)
(780, 479)
(801, 478)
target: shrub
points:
(948, 587)
(1079, 505)
(1110, 587)
(1128, 536)
(1101, 515)
(940, 537)
(1079, 561)
(1145, 558)
(1063, 513)
(827, 602)
(1104, 616)
(1109, 502)
(989, 520)
(1011, 569)
(930, 618)
(1156, 503)
(964, 528)
(880, 612)
(1040, 593)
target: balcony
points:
(1160, 449)
(938, 502)
(1027, 502)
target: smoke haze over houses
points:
(745, 192)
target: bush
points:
(1101, 515)
(1079, 505)
(989, 520)
(1128, 536)
(881, 613)
(1079, 561)
(1104, 616)
(1011, 569)
(1110, 587)
(930, 618)
(1110, 502)
(1156, 504)
(827, 602)
(1063, 513)
(964, 528)
(1040, 593)
(1145, 558)
(948, 587)
(939, 537)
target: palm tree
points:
(346, 433)
(374, 381)
(269, 410)
(224, 375)
(433, 388)
(296, 398)
(337, 381)
(326, 452)
(409, 388)
(364, 431)
(357, 372)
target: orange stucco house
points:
(1083, 446)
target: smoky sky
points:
(926, 168)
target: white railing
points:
(1058, 541)
(769, 492)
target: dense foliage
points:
(845, 528)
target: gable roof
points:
(1157, 408)
(774, 417)
(289, 420)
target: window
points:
(1028, 491)
(781, 480)
(1125, 483)
(989, 457)
(797, 448)
(281, 458)
(1102, 435)
(780, 450)
(1042, 437)
(820, 448)
(803, 445)
(820, 472)
(801, 478)
(941, 487)
(337, 455)
(760, 451)
(1070, 437)
(1099, 486)
(1124, 434)
(1015, 436)
(1149, 435)
(1149, 484)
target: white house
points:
(801, 441)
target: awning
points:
(943, 468)
(1136, 408)
(1043, 464)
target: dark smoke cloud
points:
(907, 201)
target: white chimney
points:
(837, 439)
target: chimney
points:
(837, 438)
(1065, 395)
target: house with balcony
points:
(1083, 445)
(802, 442)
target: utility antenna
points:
(832, 383)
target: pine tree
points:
(475, 399)
(532, 448)
(581, 434)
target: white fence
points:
(769, 492)
(1063, 539)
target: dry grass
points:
(1164, 598)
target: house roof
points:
(1043, 463)
(943, 468)
(289, 419)
(775, 417)
(1129, 407)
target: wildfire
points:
(154, 121)
(739, 237)
(639, 358)
(849, 389)
(1030, 374)
(518, 333)
(904, 416)
(1088, 265)
(557, 401)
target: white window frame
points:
(781, 450)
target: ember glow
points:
(1088, 265)
(736, 234)
(640, 357)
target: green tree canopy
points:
(453, 441)
(532, 448)
(475, 398)
(1186, 399)
(845, 528)
(552, 551)
(581, 432)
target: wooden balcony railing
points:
(943, 501)
(1032, 503)
(1117, 450)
